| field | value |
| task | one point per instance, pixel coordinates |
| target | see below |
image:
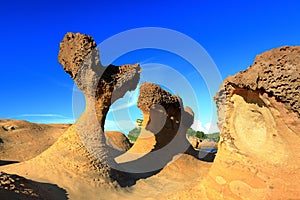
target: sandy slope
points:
(181, 174)
(22, 140)
(76, 176)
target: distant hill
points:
(21, 140)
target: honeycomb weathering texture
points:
(276, 72)
(258, 153)
(73, 51)
(101, 87)
(258, 156)
(83, 150)
(163, 131)
(151, 94)
(79, 56)
(163, 113)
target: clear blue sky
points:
(35, 87)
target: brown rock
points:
(195, 142)
(162, 112)
(73, 51)
(117, 140)
(17, 187)
(275, 73)
(101, 86)
(199, 143)
(259, 109)
(163, 132)
(82, 152)
(9, 127)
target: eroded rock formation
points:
(258, 155)
(101, 86)
(202, 143)
(259, 115)
(117, 140)
(82, 150)
(161, 111)
(163, 132)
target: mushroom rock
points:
(161, 111)
(102, 86)
(259, 117)
(163, 131)
(82, 150)
(163, 114)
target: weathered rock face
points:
(101, 87)
(162, 112)
(82, 150)
(16, 187)
(259, 115)
(117, 141)
(199, 143)
(163, 132)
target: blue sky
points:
(35, 87)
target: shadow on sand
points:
(7, 162)
(126, 179)
(209, 157)
(21, 188)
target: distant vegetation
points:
(213, 136)
(134, 134)
(139, 122)
(201, 135)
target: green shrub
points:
(201, 135)
(134, 134)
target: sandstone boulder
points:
(163, 132)
(259, 115)
(81, 152)
(117, 140)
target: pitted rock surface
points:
(259, 119)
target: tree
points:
(134, 134)
(200, 134)
(139, 122)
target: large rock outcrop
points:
(259, 115)
(117, 140)
(163, 132)
(82, 150)
(161, 112)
